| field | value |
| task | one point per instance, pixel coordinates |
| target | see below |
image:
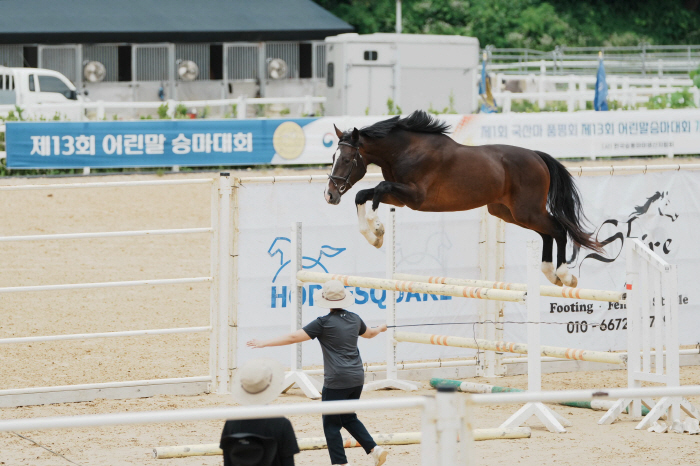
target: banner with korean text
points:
(162, 143)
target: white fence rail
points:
(643, 59)
(446, 439)
(575, 91)
(221, 365)
(99, 110)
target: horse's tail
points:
(564, 203)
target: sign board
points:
(658, 208)
(162, 143)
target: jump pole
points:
(545, 290)
(319, 443)
(509, 347)
(296, 375)
(473, 387)
(392, 372)
(415, 287)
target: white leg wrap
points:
(375, 225)
(365, 228)
(566, 277)
(548, 271)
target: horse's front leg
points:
(389, 192)
(367, 227)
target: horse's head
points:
(348, 166)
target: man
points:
(344, 376)
(260, 442)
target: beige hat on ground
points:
(333, 295)
(258, 382)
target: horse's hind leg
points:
(546, 225)
(503, 212)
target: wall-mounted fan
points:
(94, 71)
(277, 68)
(187, 70)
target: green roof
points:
(101, 21)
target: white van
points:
(42, 93)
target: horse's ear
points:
(338, 132)
(355, 134)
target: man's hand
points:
(374, 331)
(256, 344)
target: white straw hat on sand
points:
(258, 382)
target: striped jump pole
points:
(509, 347)
(319, 443)
(545, 290)
(415, 287)
(472, 387)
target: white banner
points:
(662, 209)
(577, 134)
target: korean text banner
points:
(154, 143)
(147, 143)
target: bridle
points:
(346, 180)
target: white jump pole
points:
(296, 376)
(392, 372)
(553, 421)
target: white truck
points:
(40, 93)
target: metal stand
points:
(392, 372)
(296, 376)
(553, 421)
(652, 286)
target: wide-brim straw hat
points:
(258, 382)
(333, 295)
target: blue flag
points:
(489, 103)
(600, 101)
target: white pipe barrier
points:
(107, 184)
(222, 328)
(106, 234)
(90, 336)
(444, 421)
(100, 106)
(84, 286)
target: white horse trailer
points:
(416, 71)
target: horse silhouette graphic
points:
(619, 230)
(306, 261)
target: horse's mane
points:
(418, 121)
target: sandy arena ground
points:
(104, 310)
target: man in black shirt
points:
(337, 332)
(259, 382)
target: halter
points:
(346, 181)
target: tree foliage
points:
(532, 23)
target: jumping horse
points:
(426, 170)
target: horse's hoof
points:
(558, 282)
(567, 278)
(379, 229)
(548, 271)
(378, 243)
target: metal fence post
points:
(214, 288)
(224, 276)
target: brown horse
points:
(428, 171)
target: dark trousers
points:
(332, 424)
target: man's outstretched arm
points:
(288, 339)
